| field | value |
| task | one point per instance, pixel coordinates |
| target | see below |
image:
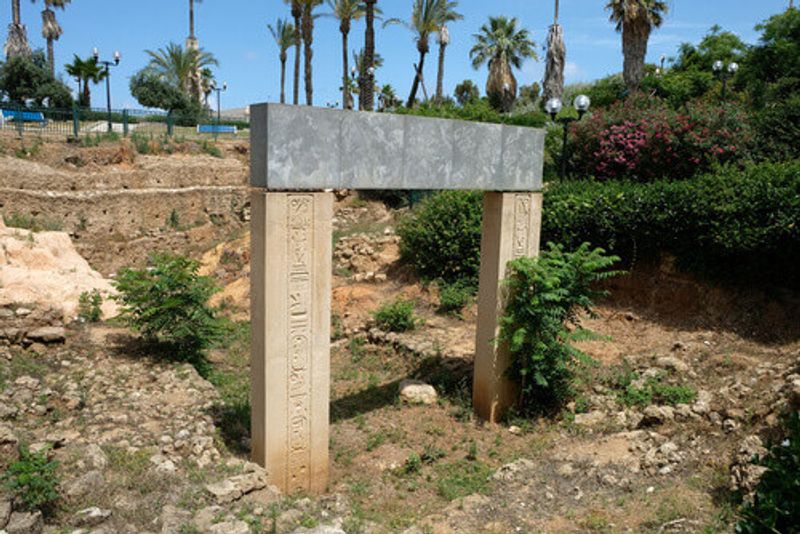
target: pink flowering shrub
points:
(643, 139)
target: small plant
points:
(89, 306)
(33, 223)
(141, 144)
(32, 480)
(211, 149)
(546, 294)
(174, 220)
(775, 506)
(413, 464)
(453, 297)
(168, 304)
(397, 316)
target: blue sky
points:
(236, 32)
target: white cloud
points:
(573, 73)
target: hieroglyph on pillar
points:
(300, 223)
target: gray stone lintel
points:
(306, 148)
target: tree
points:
(529, 94)
(307, 29)
(426, 19)
(366, 99)
(179, 66)
(297, 14)
(152, 90)
(360, 65)
(466, 92)
(51, 29)
(192, 37)
(27, 79)
(717, 45)
(17, 43)
(346, 11)
(387, 99)
(447, 14)
(502, 45)
(284, 33)
(556, 59)
(636, 19)
(86, 71)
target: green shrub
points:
(655, 391)
(32, 480)
(89, 306)
(211, 149)
(734, 224)
(397, 316)
(775, 506)
(545, 296)
(476, 111)
(442, 237)
(33, 223)
(168, 304)
(453, 297)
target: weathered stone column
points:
(511, 230)
(290, 317)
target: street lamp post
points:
(553, 107)
(219, 91)
(108, 65)
(724, 72)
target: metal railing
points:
(79, 123)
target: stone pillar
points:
(290, 316)
(511, 230)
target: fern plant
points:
(168, 304)
(545, 297)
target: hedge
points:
(735, 224)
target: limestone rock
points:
(657, 415)
(513, 470)
(91, 517)
(84, 484)
(5, 513)
(224, 492)
(745, 475)
(673, 364)
(416, 392)
(7, 436)
(590, 419)
(206, 517)
(173, 519)
(321, 529)
(230, 527)
(95, 458)
(25, 523)
(47, 334)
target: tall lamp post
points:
(219, 91)
(553, 108)
(724, 72)
(108, 65)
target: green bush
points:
(168, 304)
(397, 316)
(453, 297)
(476, 111)
(89, 306)
(33, 223)
(654, 391)
(441, 238)
(732, 225)
(32, 481)
(545, 296)
(775, 506)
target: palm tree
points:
(502, 45)
(297, 14)
(86, 71)
(447, 14)
(180, 66)
(360, 67)
(636, 19)
(556, 58)
(51, 29)
(17, 43)
(284, 33)
(307, 29)
(346, 11)
(425, 20)
(366, 98)
(192, 38)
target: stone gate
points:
(298, 155)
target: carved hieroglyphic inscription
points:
(522, 225)
(300, 224)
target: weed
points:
(397, 316)
(211, 149)
(89, 306)
(375, 440)
(453, 297)
(459, 479)
(32, 480)
(174, 220)
(33, 223)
